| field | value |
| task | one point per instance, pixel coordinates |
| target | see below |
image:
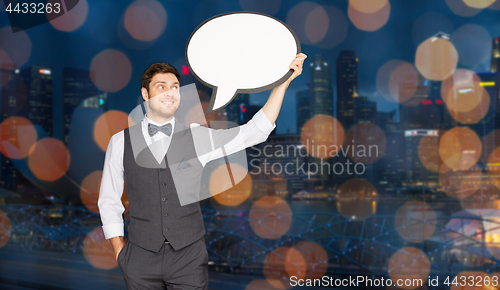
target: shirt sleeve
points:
(110, 205)
(211, 144)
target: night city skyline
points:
(384, 163)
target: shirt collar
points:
(147, 121)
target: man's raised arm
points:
(211, 144)
(273, 104)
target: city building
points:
(25, 93)
(347, 87)
(303, 108)
(276, 164)
(495, 55)
(38, 104)
(387, 121)
(321, 92)
(365, 111)
(77, 86)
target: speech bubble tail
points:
(221, 96)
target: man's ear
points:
(145, 95)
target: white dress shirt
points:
(110, 206)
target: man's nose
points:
(168, 93)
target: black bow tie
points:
(153, 129)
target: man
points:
(165, 246)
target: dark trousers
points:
(185, 269)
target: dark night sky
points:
(393, 41)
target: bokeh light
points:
(369, 21)
(112, 70)
(145, 20)
(415, 221)
(322, 136)
(49, 159)
(428, 153)
(475, 115)
(460, 148)
(495, 5)
(316, 24)
(490, 143)
(17, 136)
(480, 4)
(357, 199)
(461, 184)
(484, 200)
(467, 101)
(261, 285)
(281, 264)
(461, 91)
(109, 124)
(493, 164)
(5, 229)
(98, 251)
(270, 217)
(16, 45)
(315, 257)
(6, 65)
(461, 9)
(468, 280)
(409, 263)
(337, 28)
(222, 189)
(297, 17)
(384, 74)
(269, 7)
(436, 58)
(90, 188)
(403, 82)
(71, 20)
(473, 44)
(365, 143)
(428, 24)
(324, 26)
(368, 6)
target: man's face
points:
(163, 98)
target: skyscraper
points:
(321, 94)
(302, 102)
(365, 111)
(387, 121)
(38, 105)
(495, 55)
(320, 102)
(347, 87)
(77, 86)
(26, 93)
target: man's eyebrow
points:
(175, 83)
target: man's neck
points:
(159, 119)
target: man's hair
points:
(156, 68)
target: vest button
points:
(165, 214)
(163, 184)
(163, 199)
(165, 229)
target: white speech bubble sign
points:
(241, 52)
